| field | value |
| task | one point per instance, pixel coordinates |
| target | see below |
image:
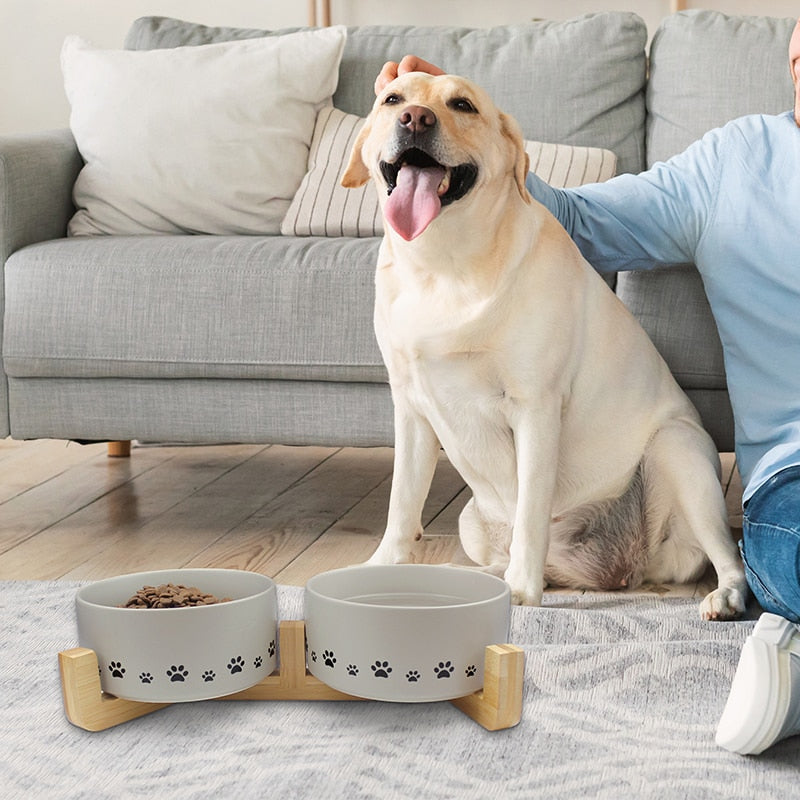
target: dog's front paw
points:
(525, 591)
(723, 604)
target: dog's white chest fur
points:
(447, 358)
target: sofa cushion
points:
(707, 68)
(323, 207)
(195, 139)
(532, 71)
(193, 307)
(671, 306)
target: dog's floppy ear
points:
(356, 174)
(511, 130)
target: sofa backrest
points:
(707, 68)
(577, 82)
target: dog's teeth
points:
(444, 185)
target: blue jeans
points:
(770, 545)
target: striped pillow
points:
(565, 166)
(322, 207)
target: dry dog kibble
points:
(171, 595)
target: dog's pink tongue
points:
(414, 203)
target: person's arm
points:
(641, 221)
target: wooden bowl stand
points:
(497, 706)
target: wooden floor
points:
(68, 511)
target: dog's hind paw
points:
(723, 604)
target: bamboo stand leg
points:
(85, 703)
(498, 705)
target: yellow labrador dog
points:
(587, 464)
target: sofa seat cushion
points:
(193, 307)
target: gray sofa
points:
(201, 338)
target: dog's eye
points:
(392, 99)
(463, 105)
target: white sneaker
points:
(764, 704)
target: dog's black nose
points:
(417, 119)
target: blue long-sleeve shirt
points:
(730, 204)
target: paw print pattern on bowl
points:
(444, 669)
(236, 664)
(381, 669)
(177, 674)
(116, 669)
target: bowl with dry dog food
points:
(172, 636)
(406, 632)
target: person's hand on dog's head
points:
(393, 69)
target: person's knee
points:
(771, 557)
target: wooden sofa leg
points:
(119, 449)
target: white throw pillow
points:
(203, 139)
(323, 207)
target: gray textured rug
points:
(622, 696)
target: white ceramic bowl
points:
(406, 633)
(173, 655)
